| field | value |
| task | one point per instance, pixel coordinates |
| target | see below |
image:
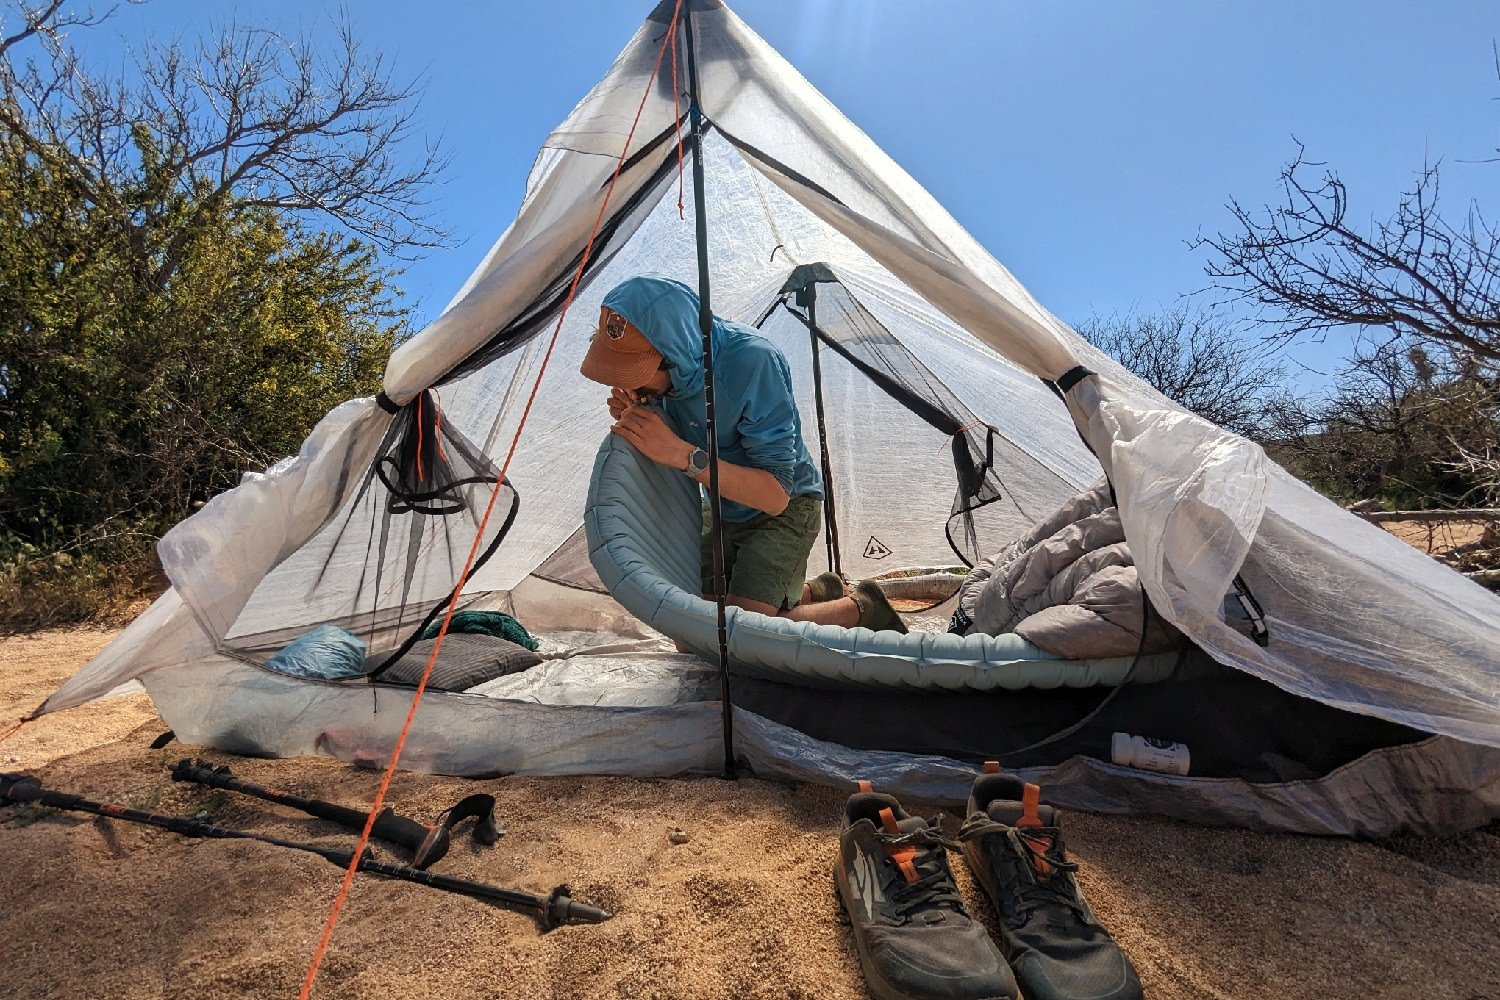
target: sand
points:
(742, 909)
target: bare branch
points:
(1196, 359)
(1307, 269)
(243, 121)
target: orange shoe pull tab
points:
(903, 855)
(992, 767)
(1031, 798)
(864, 786)
(888, 820)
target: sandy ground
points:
(1437, 536)
(100, 908)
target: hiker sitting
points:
(648, 350)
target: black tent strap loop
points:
(1068, 379)
(386, 403)
(1259, 631)
(439, 502)
(971, 477)
(441, 606)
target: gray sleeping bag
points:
(1068, 586)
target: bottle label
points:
(1151, 754)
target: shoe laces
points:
(1049, 874)
(934, 886)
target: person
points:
(648, 350)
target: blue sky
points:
(1082, 142)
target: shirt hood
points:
(666, 312)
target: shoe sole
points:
(880, 991)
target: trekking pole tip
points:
(561, 907)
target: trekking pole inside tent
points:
(706, 324)
(808, 296)
(550, 910)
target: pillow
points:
(467, 660)
(327, 652)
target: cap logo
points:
(614, 326)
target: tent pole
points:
(706, 325)
(830, 517)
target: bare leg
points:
(840, 612)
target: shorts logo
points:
(876, 549)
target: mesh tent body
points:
(1362, 626)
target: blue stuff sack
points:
(326, 653)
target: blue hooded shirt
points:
(754, 411)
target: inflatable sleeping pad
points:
(643, 523)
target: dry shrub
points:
(41, 591)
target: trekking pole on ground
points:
(427, 844)
(551, 910)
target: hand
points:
(619, 402)
(645, 428)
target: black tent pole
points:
(830, 516)
(706, 325)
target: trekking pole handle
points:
(388, 826)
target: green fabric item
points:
(495, 623)
(765, 558)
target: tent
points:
(1369, 703)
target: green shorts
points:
(765, 558)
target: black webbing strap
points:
(386, 403)
(807, 297)
(970, 477)
(1072, 377)
(935, 416)
(1259, 631)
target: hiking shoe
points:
(1055, 944)
(916, 941)
(826, 587)
(875, 612)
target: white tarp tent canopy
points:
(1358, 620)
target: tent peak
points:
(663, 12)
(806, 274)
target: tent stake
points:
(706, 324)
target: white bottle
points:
(1149, 754)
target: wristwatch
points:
(696, 464)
